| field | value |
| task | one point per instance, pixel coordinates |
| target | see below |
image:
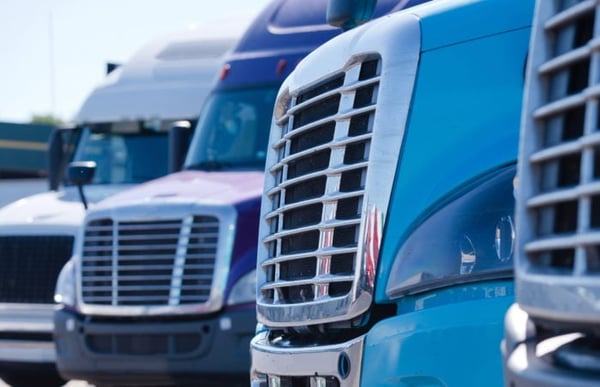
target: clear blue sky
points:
(53, 52)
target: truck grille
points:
(149, 263)
(144, 344)
(559, 175)
(317, 205)
(30, 267)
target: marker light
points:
(224, 71)
(281, 66)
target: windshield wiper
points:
(210, 165)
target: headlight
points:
(65, 292)
(244, 290)
(470, 237)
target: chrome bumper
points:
(21, 320)
(528, 361)
(317, 364)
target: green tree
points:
(48, 119)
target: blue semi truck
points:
(552, 333)
(387, 234)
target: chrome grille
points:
(165, 262)
(558, 203)
(316, 207)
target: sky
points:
(54, 52)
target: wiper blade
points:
(212, 165)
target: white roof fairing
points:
(167, 79)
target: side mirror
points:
(348, 14)
(81, 173)
(179, 141)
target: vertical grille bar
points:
(179, 264)
(115, 266)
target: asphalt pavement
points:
(73, 383)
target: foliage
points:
(48, 119)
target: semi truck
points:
(123, 125)
(161, 288)
(386, 229)
(552, 330)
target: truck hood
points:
(55, 209)
(213, 188)
(477, 19)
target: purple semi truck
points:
(161, 286)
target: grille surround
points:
(308, 247)
(225, 217)
(558, 235)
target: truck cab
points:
(551, 333)
(189, 238)
(386, 227)
(123, 125)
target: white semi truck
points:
(124, 127)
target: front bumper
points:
(128, 352)
(321, 365)
(26, 334)
(453, 342)
(531, 361)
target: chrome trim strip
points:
(569, 14)
(319, 252)
(328, 197)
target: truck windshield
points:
(233, 131)
(124, 157)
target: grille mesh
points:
(149, 263)
(144, 344)
(317, 203)
(30, 267)
(564, 144)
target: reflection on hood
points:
(196, 186)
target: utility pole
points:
(51, 60)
